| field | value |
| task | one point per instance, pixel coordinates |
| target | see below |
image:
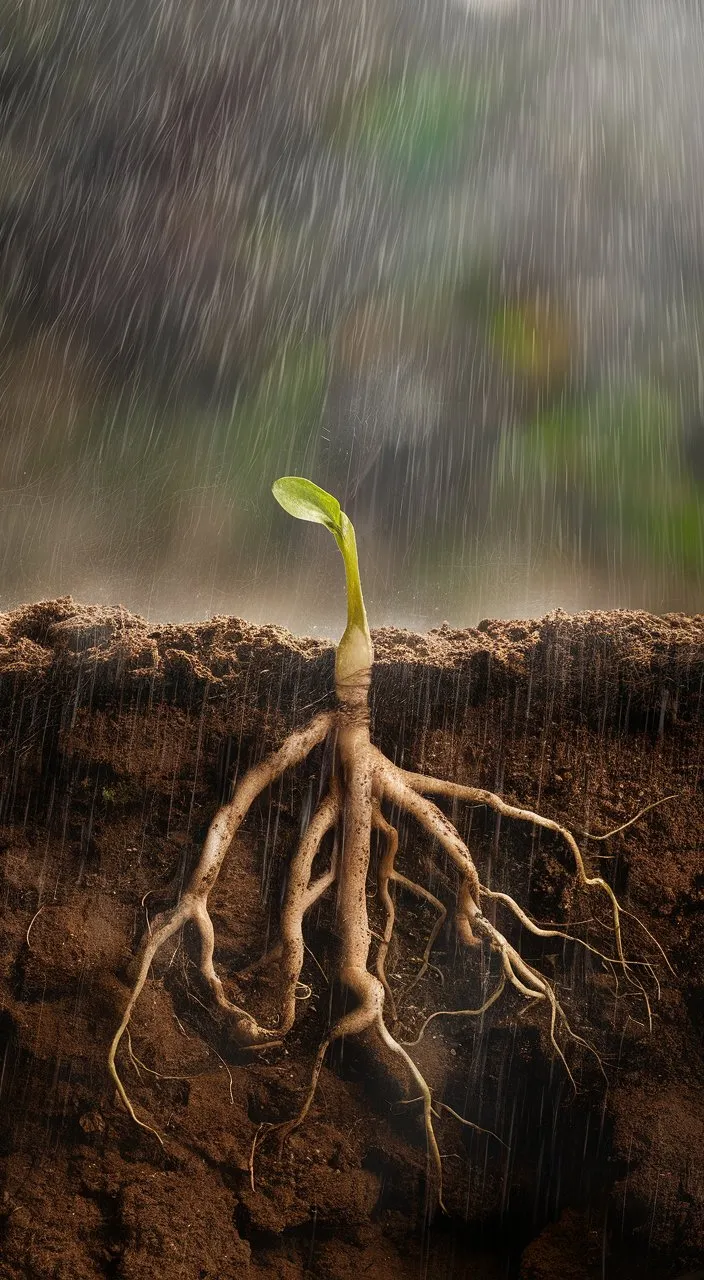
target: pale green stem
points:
(356, 612)
(355, 653)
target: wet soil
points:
(117, 742)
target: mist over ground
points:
(445, 259)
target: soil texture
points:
(118, 740)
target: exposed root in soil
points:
(362, 782)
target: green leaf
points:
(307, 501)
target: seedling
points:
(362, 782)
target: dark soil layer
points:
(117, 742)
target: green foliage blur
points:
(612, 465)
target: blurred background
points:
(446, 259)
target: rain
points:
(443, 258)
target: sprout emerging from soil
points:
(362, 781)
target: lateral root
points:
(363, 781)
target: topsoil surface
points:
(118, 741)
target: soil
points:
(117, 742)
